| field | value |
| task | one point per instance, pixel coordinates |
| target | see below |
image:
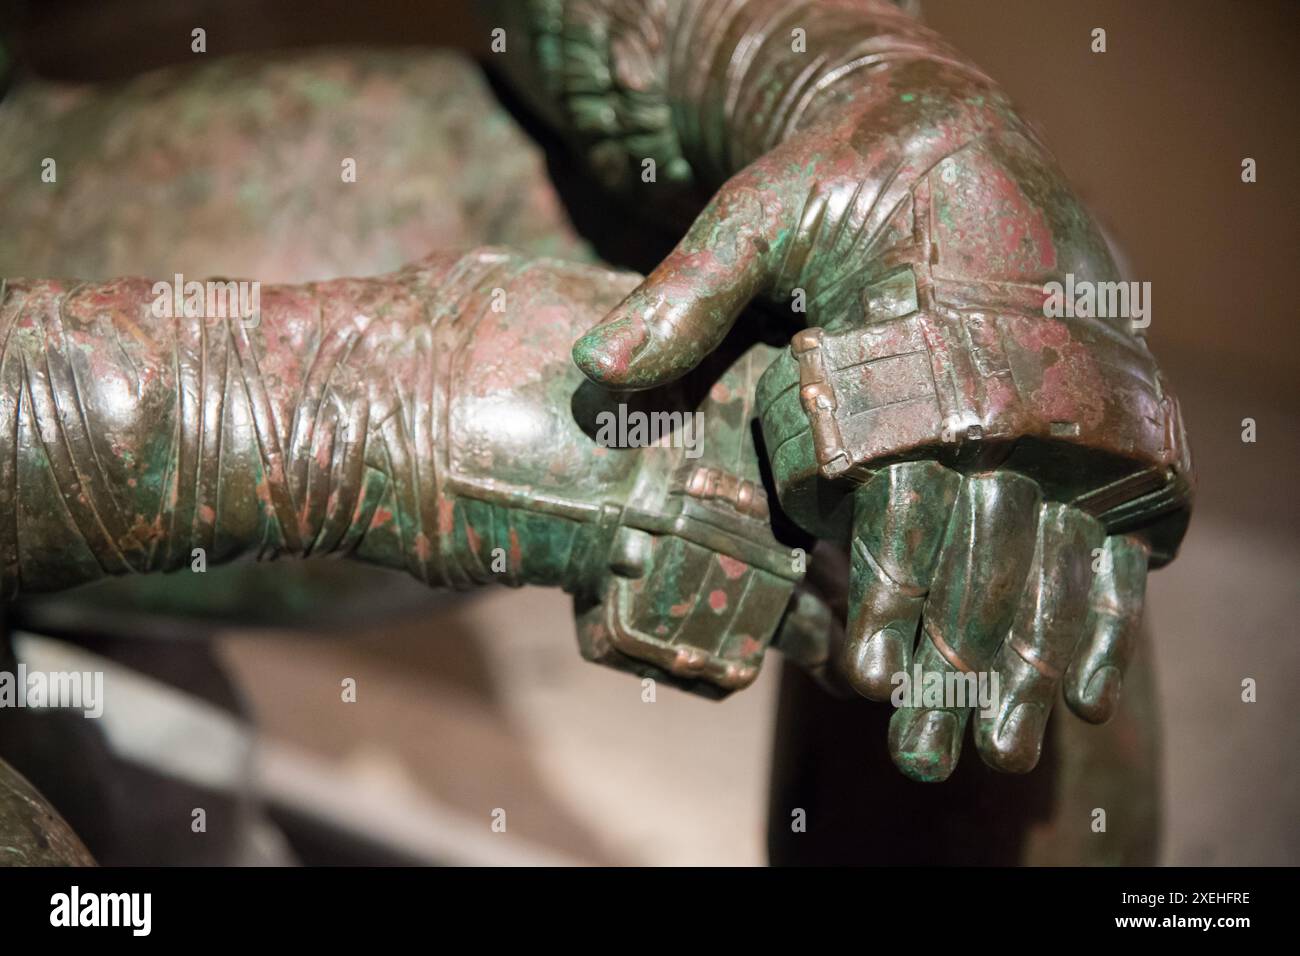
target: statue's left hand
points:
(1004, 474)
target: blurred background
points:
(471, 704)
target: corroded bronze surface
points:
(1003, 474)
(33, 832)
(428, 420)
(234, 166)
(1003, 478)
(231, 166)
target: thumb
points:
(686, 306)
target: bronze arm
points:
(429, 420)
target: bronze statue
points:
(1003, 476)
(406, 421)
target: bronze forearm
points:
(430, 420)
(702, 87)
(317, 427)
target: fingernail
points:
(1101, 696)
(1019, 740)
(923, 743)
(606, 353)
(872, 662)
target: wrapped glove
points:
(429, 420)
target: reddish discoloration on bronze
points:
(516, 549)
(732, 568)
(190, 146)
